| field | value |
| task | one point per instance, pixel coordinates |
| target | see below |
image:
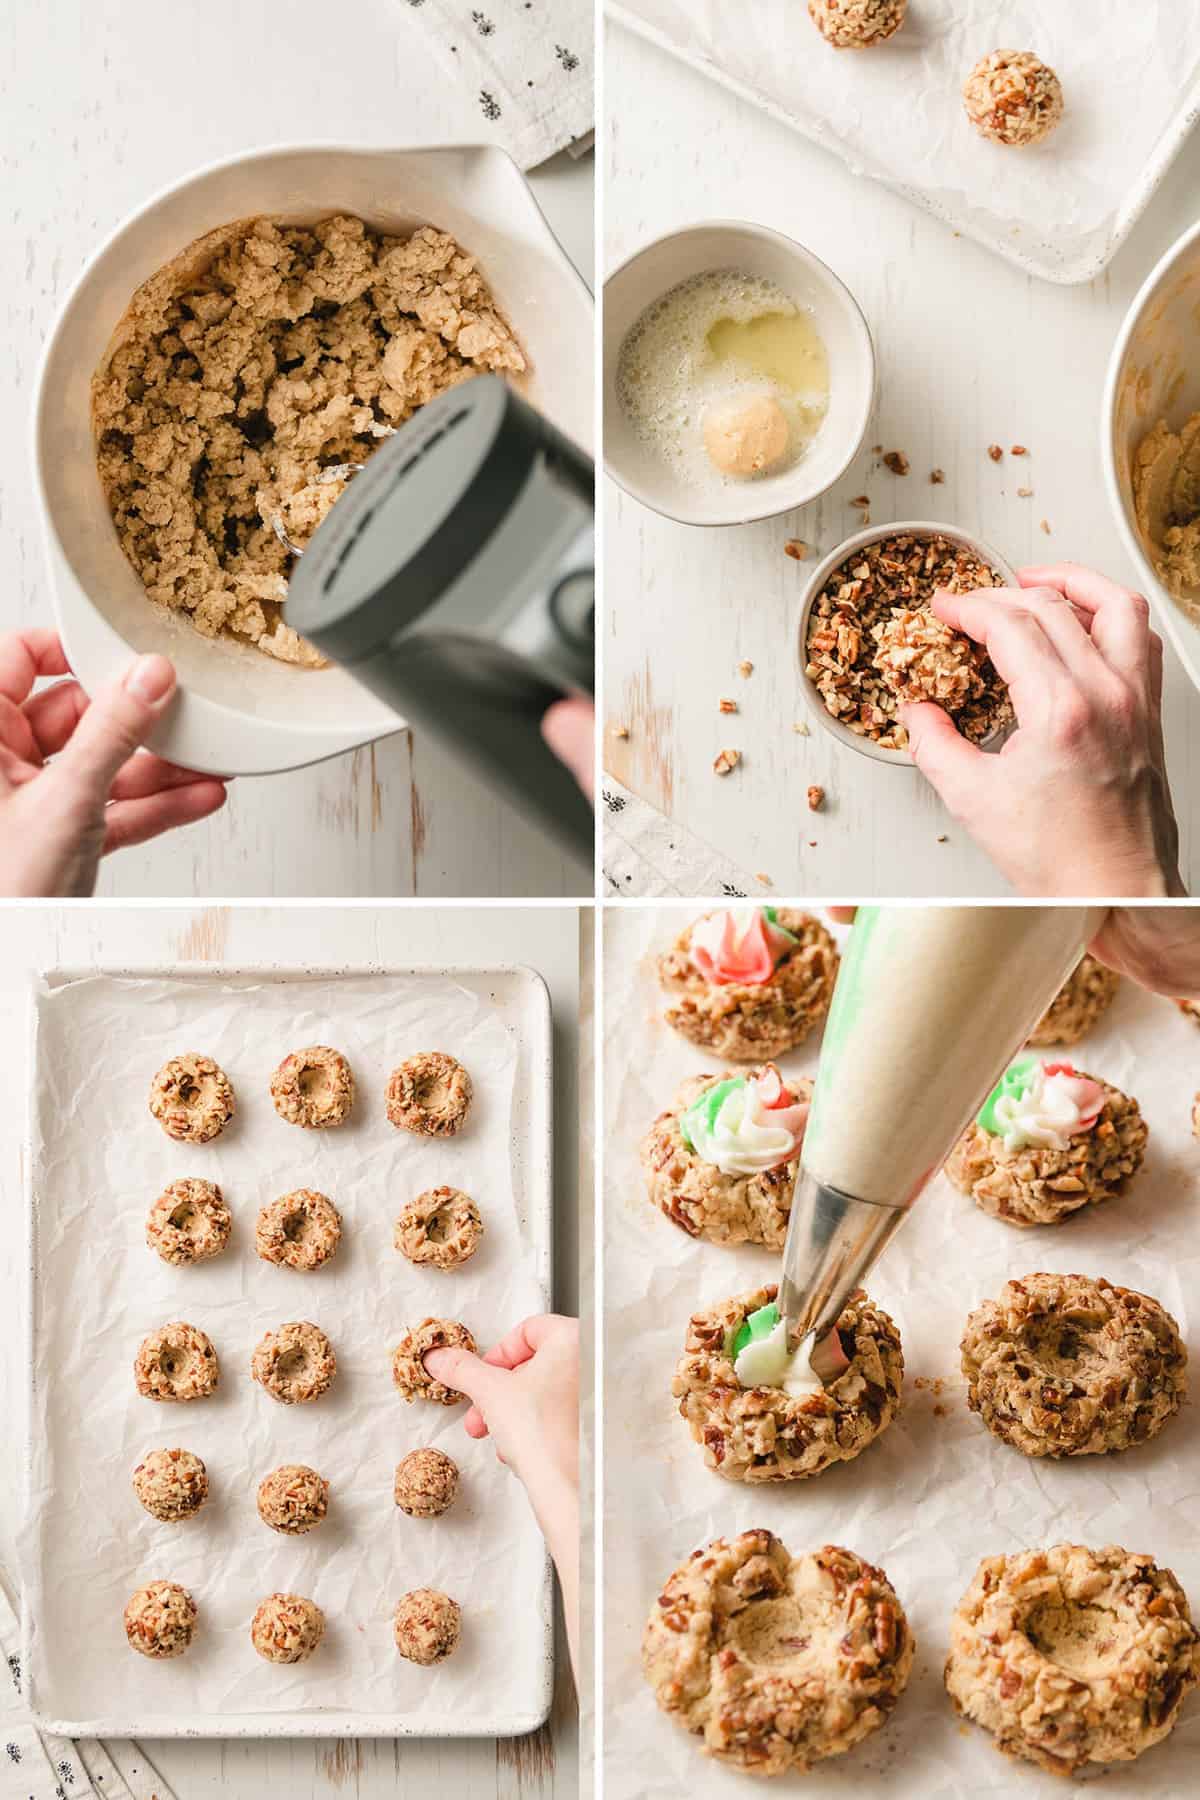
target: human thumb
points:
(940, 751)
(466, 1373)
(118, 720)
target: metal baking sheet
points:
(96, 1161)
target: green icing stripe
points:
(843, 1013)
(1013, 1084)
(708, 1105)
(771, 915)
(759, 1324)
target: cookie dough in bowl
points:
(721, 1161)
(749, 984)
(756, 1433)
(293, 1499)
(313, 1088)
(776, 1661)
(1048, 1140)
(1062, 1365)
(441, 1228)
(294, 1363)
(160, 1620)
(192, 1098)
(1084, 997)
(176, 1362)
(409, 1373)
(426, 1484)
(427, 1626)
(171, 1484)
(429, 1094)
(301, 1230)
(189, 1222)
(1072, 1657)
(287, 1628)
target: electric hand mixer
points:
(930, 1006)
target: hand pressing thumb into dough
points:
(471, 1375)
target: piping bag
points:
(930, 1006)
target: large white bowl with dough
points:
(753, 250)
(240, 712)
(1154, 373)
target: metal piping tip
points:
(833, 1242)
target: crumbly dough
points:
(1039, 1187)
(1013, 98)
(426, 1484)
(313, 1088)
(192, 1098)
(762, 1434)
(293, 1499)
(703, 1200)
(171, 1484)
(189, 1222)
(1084, 997)
(287, 1628)
(1061, 1365)
(247, 374)
(409, 1373)
(160, 1619)
(857, 24)
(427, 1626)
(776, 1661)
(294, 1363)
(746, 437)
(301, 1230)
(1166, 503)
(756, 1022)
(176, 1362)
(441, 1227)
(921, 658)
(429, 1094)
(1071, 1656)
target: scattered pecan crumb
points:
(812, 843)
(875, 449)
(1023, 493)
(939, 1410)
(801, 728)
(897, 462)
(763, 880)
(861, 500)
(942, 838)
(937, 476)
(816, 799)
(727, 706)
(725, 760)
(1018, 450)
(745, 667)
(621, 731)
(1046, 526)
(995, 452)
(796, 548)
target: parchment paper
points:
(936, 1491)
(894, 112)
(100, 1160)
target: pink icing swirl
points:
(786, 1108)
(1087, 1094)
(726, 956)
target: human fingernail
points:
(150, 679)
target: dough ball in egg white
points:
(746, 436)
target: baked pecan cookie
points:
(160, 1619)
(749, 986)
(746, 1195)
(1087, 993)
(429, 1094)
(189, 1222)
(427, 1626)
(776, 1661)
(171, 1484)
(192, 1098)
(1078, 1162)
(294, 1364)
(176, 1362)
(426, 1484)
(293, 1499)
(757, 1434)
(313, 1088)
(1061, 1365)
(301, 1230)
(1071, 1656)
(408, 1365)
(287, 1628)
(441, 1226)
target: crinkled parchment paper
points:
(894, 112)
(936, 1491)
(99, 1161)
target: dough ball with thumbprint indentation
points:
(313, 1088)
(409, 1373)
(429, 1094)
(177, 1362)
(293, 1499)
(287, 1628)
(427, 1626)
(1084, 997)
(857, 24)
(294, 1363)
(189, 1222)
(1013, 98)
(441, 1227)
(160, 1620)
(426, 1484)
(192, 1098)
(300, 1230)
(171, 1484)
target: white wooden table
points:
(100, 106)
(970, 352)
(555, 940)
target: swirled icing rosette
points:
(1040, 1105)
(740, 948)
(746, 1124)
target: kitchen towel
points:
(647, 856)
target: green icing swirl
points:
(771, 915)
(757, 1325)
(708, 1105)
(1013, 1084)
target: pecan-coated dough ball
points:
(294, 1364)
(426, 1484)
(192, 1098)
(293, 1499)
(160, 1620)
(300, 1230)
(171, 1484)
(857, 24)
(1013, 98)
(1084, 997)
(313, 1088)
(427, 1626)
(188, 1223)
(176, 1362)
(408, 1368)
(441, 1227)
(429, 1094)
(287, 1628)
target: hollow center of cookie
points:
(771, 1633)
(189, 1093)
(183, 1217)
(292, 1365)
(1060, 1352)
(315, 1082)
(432, 1091)
(438, 1228)
(1076, 1637)
(295, 1227)
(169, 1363)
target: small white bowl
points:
(1154, 373)
(867, 746)
(720, 244)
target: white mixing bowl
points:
(240, 712)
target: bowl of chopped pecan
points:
(871, 643)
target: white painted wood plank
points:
(971, 352)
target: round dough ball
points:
(1072, 1657)
(1087, 993)
(189, 1222)
(409, 1373)
(1013, 98)
(776, 1661)
(300, 1230)
(294, 1364)
(160, 1619)
(746, 437)
(176, 1362)
(429, 1094)
(171, 1484)
(857, 24)
(293, 1499)
(192, 1098)
(287, 1628)
(921, 658)
(427, 1626)
(1060, 1365)
(426, 1484)
(441, 1227)
(313, 1088)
